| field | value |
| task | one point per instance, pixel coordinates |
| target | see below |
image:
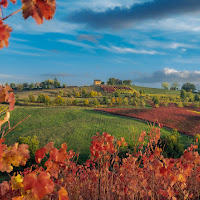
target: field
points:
(75, 126)
(182, 119)
(148, 90)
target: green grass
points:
(155, 90)
(75, 126)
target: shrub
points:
(86, 102)
(41, 98)
(75, 102)
(31, 98)
(96, 103)
(171, 145)
(32, 142)
(59, 100)
(77, 94)
(180, 104)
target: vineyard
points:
(121, 89)
(182, 119)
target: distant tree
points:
(190, 96)
(183, 94)
(165, 85)
(25, 85)
(41, 98)
(37, 85)
(189, 87)
(61, 93)
(86, 102)
(96, 103)
(84, 91)
(13, 85)
(20, 87)
(6, 84)
(196, 97)
(47, 100)
(103, 83)
(31, 86)
(77, 94)
(49, 83)
(114, 81)
(175, 86)
(42, 85)
(127, 82)
(56, 83)
(64, 85)
(93, 94)
(31, 98)
(59, 100)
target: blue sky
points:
(146, 41)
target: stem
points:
(16, 125)
(12, 14)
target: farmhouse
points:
(97, 82)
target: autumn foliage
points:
(37, 9)
(141, 174)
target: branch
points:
(15, 126)
(12, 14)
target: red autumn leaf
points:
(39, 155)
(40, 185)
(5, 31)
(4, 3)
(38, 9)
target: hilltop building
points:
(97, 82)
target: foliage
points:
(59, 100)
(32, 142)
(39, 10)
(171, 145)
(189, 87)
(182, 119)
(165, 85)
(183, 94)
(86, 102)
(41, 98)
(31, 98)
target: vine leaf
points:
(5, 31)
(38, 9)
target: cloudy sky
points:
(147, 41)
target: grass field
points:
(75, 126)
(155, 90)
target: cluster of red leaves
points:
(15, 155)
(182, 119)
(5, 31)
(38, 9)
(111, 89)
(144, 174)
(6, 95)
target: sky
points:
(146, 41)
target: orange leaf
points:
(5, 31)
(38, 9)
(63, 195)
(4, 186)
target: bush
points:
(41, 98)
(86, 102)
(31, 98)
(59, 100)
(171, 145)
(32, 142)
(179, 104)
(96, 103)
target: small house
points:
(97, 82)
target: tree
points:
(165, 85)
(64, 85)
(196, 97)
(39, 10)
(31, 86)
(56, 83)
(189, 87)
(114, 81)
(19, 86)
(183, 94)
(13, 85)
(127, 82)
(25, 85)
(37, 85)
(174, 86)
